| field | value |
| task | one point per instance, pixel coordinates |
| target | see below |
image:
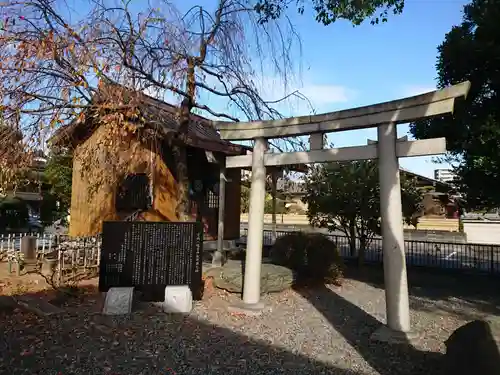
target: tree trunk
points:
(180, 157)
(352, 238)
(179, 146)
(362, 251)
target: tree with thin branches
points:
(57, 67)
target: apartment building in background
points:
(444, 175)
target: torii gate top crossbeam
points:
(397, 111)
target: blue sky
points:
(345, 66)
(370, 64)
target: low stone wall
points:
(438, 224)
(482, 231)
(425, 224)
(435, 236)
(410, 234)
(280, 219)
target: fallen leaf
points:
(29, 351)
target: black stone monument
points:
(150, 256)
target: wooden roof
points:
(159, 115)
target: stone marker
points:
(127, 254)
(118, 301)
(38, 306)
(28, 247)
(7, 304)
(178, 299)
(473, 349)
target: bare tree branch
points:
(53, 69)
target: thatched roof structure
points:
(161, 117)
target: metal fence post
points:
(492, 260)
(99, 245)
(60, 265)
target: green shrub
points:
(280, 206)
(313, 256)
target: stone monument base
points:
(391, 336)
(274, 278)
(250, 309)
(118, 301)
(178, 299)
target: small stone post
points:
(217, 259)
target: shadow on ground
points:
(82, 341)
(357, 327)
(458, 294)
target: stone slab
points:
(249, 309)
(118, 301)
(38, 306)
(274, 278)
(390, 336)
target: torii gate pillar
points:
(253, 261)
(396, 286)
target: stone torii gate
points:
(385, 116)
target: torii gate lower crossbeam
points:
(385, 117)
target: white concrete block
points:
(118, 301)
(178, 299)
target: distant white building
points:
(444, 175)
(246, 174)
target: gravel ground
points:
(309, 331)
